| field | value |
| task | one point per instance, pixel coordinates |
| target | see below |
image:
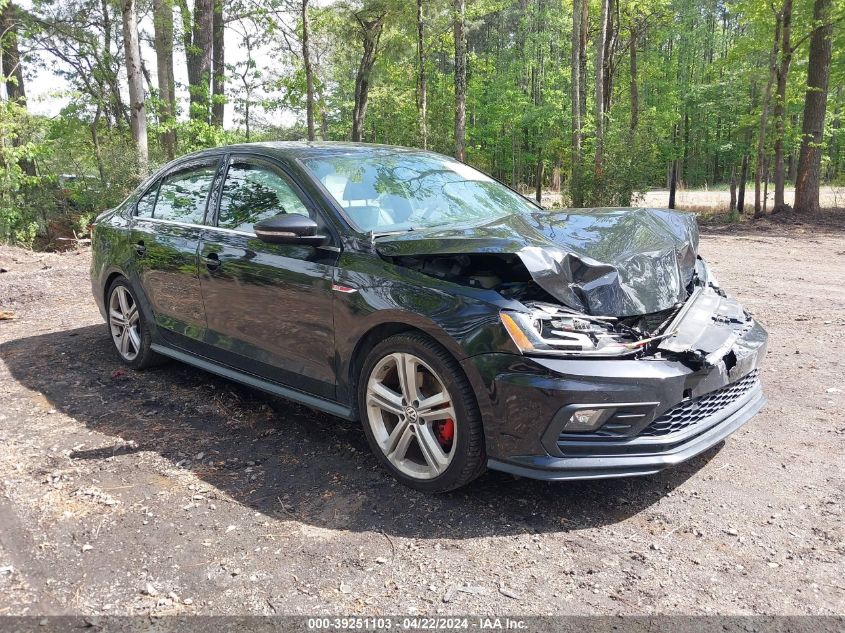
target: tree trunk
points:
(95, 140)
(793, 156)
(764, 118)
(196, 33)
(635, 91)
(460, 79)
(309, 73)
(732, 205)
(539, 176)
(246, 120)
(815, 104)
(422, 86)
(715, 175)
(324, 122)
(765, 187)
(684, 166)
(743, 177)
(780, 104)
(116, 107)
(137, 104)
(582, 56)
(835, 144)
(575, 97)
(601, 45)
(608, 72)
(673, 183)
(218, 60)
(371, 32)
(163, 38)
(12, 69)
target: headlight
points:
(550, 330)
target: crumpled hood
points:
(609, 262)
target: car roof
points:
(313, 149)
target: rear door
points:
(166, 235)
(268, 306)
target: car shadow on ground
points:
(306, 465)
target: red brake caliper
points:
(446, 432)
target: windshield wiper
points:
(374, 235)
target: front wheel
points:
(420, 415)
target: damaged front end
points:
(708, 329)
(633, 358)
(612, 283)
(701, 330)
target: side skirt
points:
(272, 388)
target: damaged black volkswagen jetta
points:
(463, 325)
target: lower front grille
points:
(691, 412)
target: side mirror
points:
(289, 228)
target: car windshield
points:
(403, 191)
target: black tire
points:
(468, 460)
(144, 357)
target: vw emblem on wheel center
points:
(411, 412)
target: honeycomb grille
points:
(694, 411)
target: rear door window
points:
(183, 195)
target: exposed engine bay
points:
(504, 273)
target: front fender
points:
(465, 321)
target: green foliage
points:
(23, 205)
(195, 135)
(75, 179)
(702, 67)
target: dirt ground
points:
(173, 491)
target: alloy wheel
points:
(411, 415)
(124, 322)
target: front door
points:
(165, 237)
(268, 306)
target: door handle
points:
(212, 262)
(140, 249)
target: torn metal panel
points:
(712, 328)
(611, 262)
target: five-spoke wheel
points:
(411, 415)
(128, 329)
(420, 415)
(123, 320)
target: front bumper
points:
(674, 412)
(600, 467)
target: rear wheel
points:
(420, 415)
(129, 330)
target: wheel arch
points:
(108, 283)
(140, 296)
(474, 451)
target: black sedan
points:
(463, 325)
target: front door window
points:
(253, 192)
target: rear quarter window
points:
(146, 203)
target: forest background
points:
(576, 102)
